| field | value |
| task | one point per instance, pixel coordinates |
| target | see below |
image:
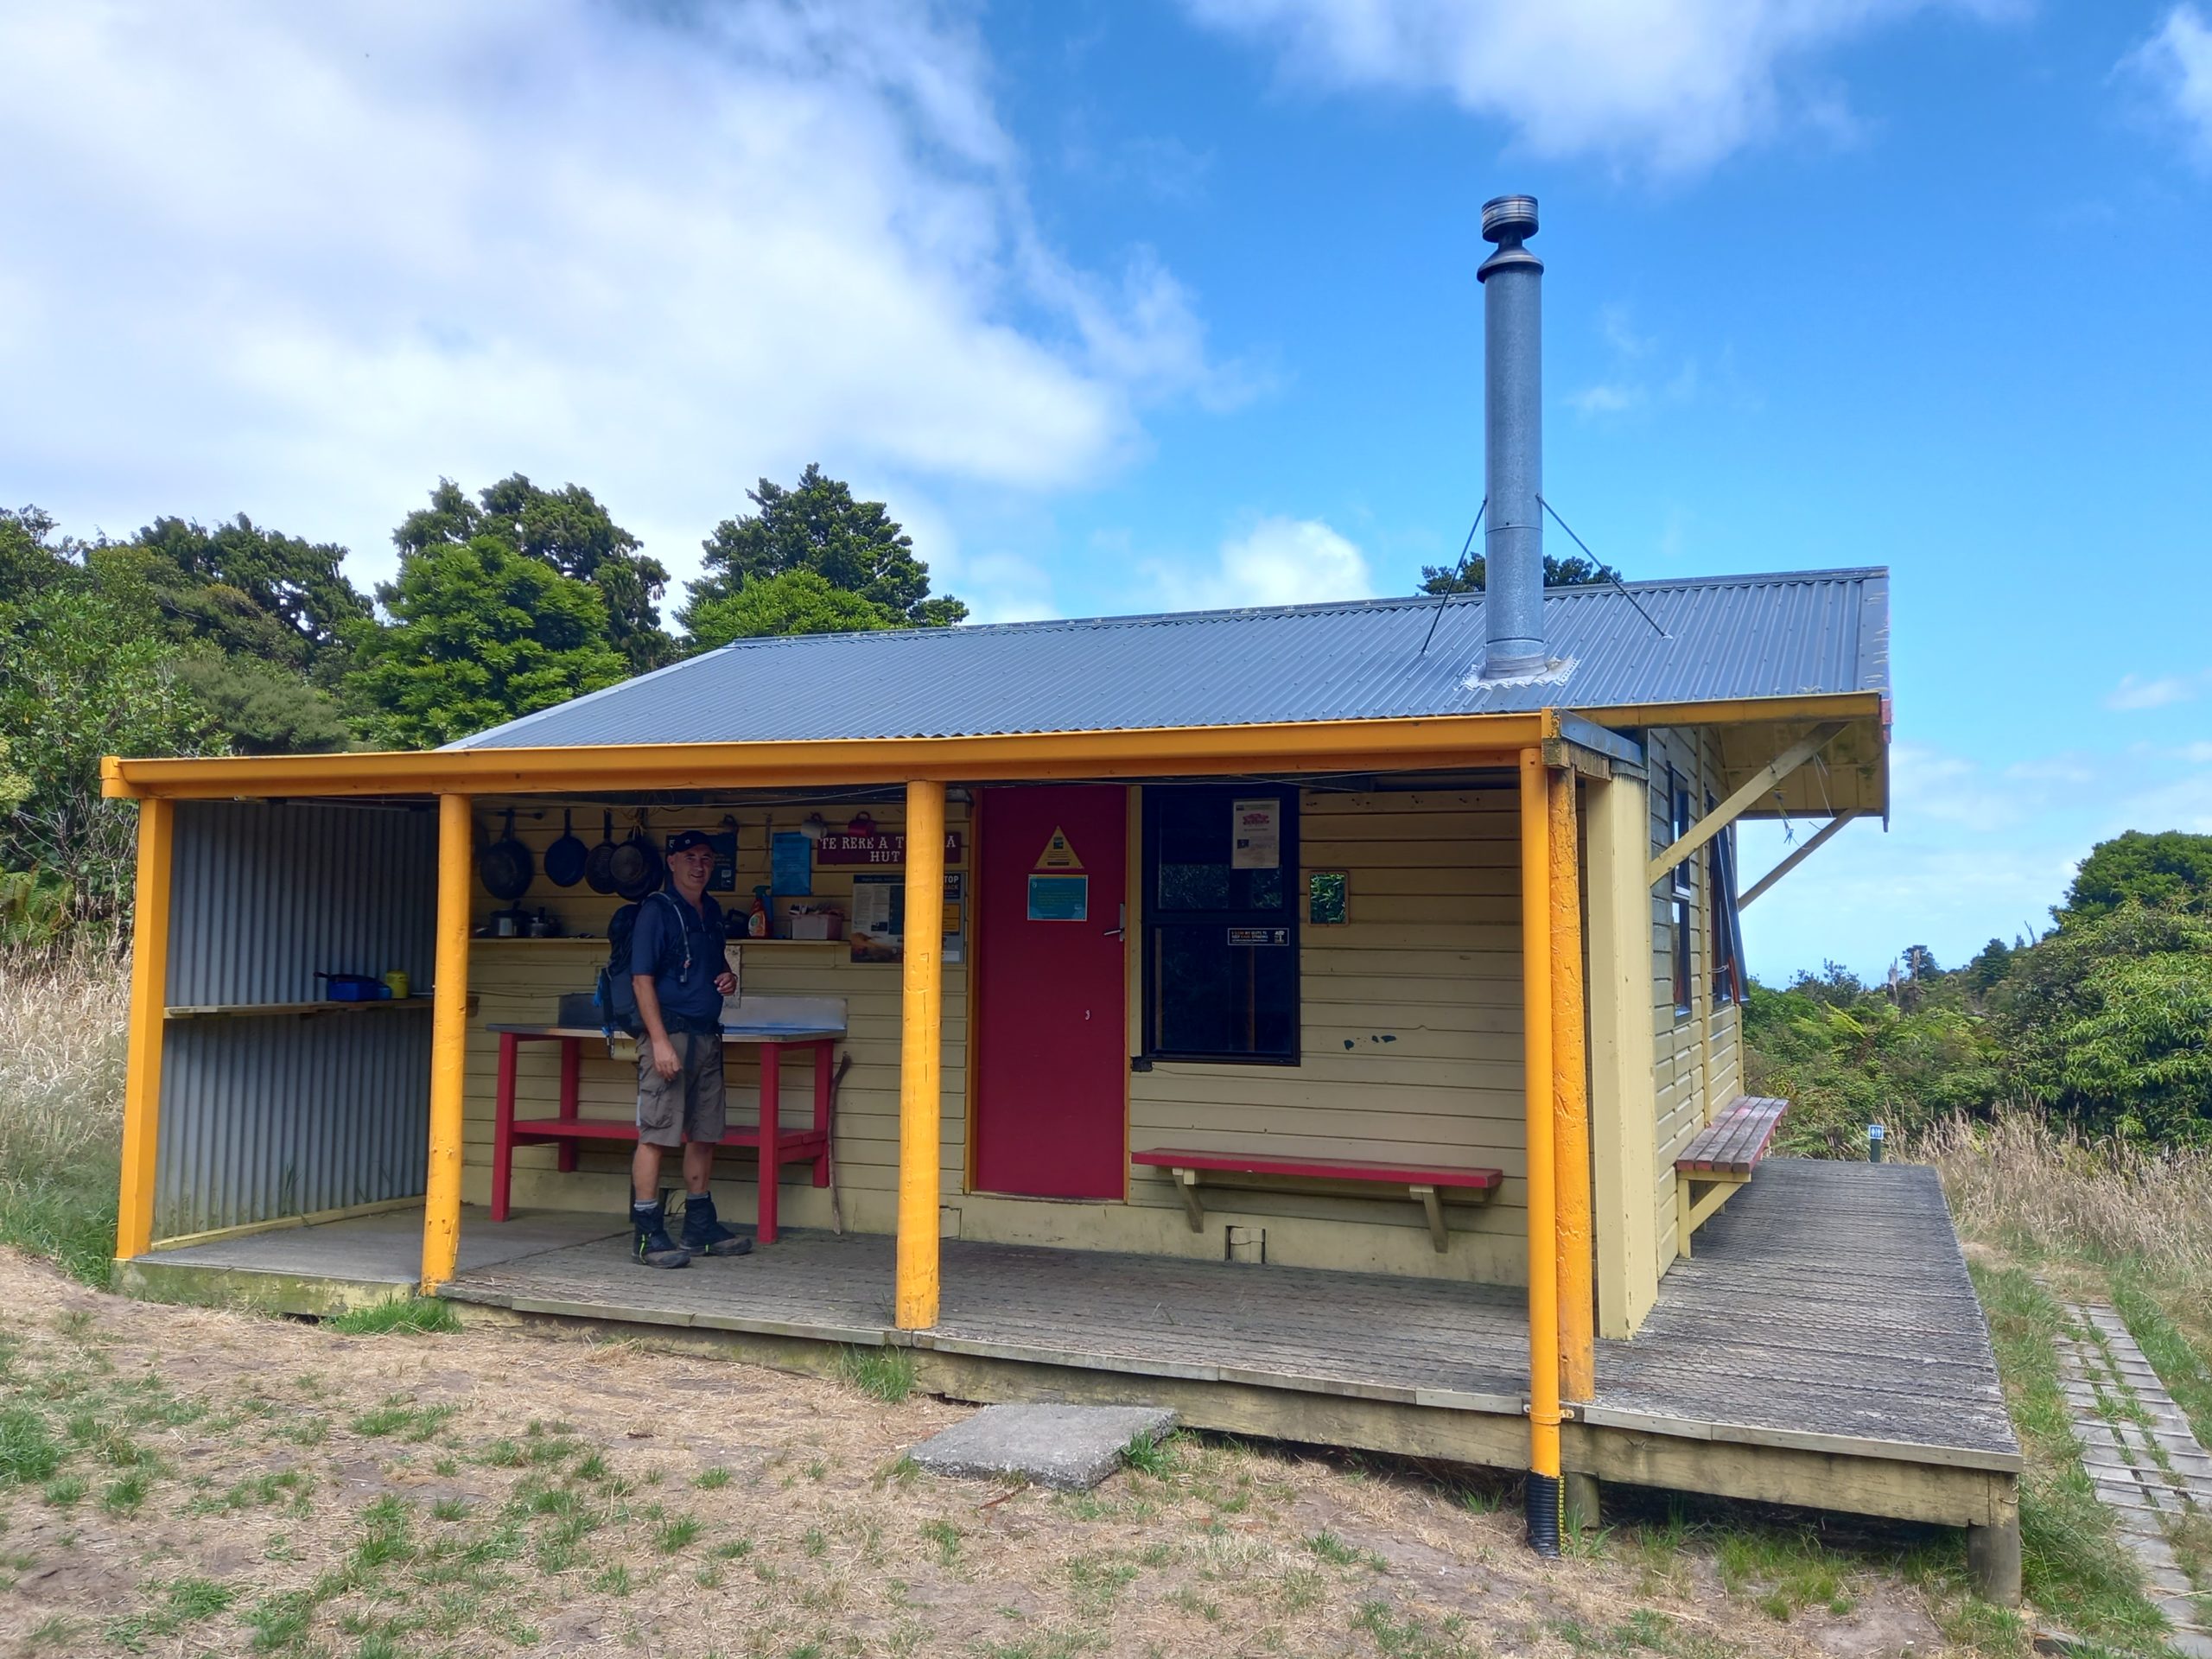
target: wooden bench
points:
(1422, 1182)
(1720, 1158)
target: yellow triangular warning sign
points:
(1058, 854)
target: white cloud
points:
(304, 260)
(2134, 691)
(2176, 63)
(1673, 84)
(1279, 562)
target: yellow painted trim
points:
(448, 1044)
(141, 1089)
(920, 1108)
(1570, 1098)
(1536, 1091)
(1318, 746)
(1624, 1127)
(1741, 711)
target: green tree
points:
(246, 591)
(263, 708)
(1471, 576)
(853, 545)
(798, 601)
(567, 531)
(30, 556)
(82, 677)
(2172, 869)
(479, 634)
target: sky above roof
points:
(1166, 303)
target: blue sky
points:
(1171, 302)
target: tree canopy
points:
(1470, 577)
(856, 546)
(479, 634)
(2173, 868)
(567, 531)
(798, 601)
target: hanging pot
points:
(638, 869)
(506, 866)
(598, 863)
(565, 858)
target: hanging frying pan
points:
(565, 858)
(638, 869)
(506, 866)
(598, 863)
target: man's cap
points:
(685, 841)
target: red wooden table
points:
(776, 1145)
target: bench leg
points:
(1683, 1225)
(1186, 1183)
(772, 1093)
(572, 1060)
(1432, 1207)
(503, 1126)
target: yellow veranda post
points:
(448, 1044)
(149, 975)
(920, 1089)
(1536, 1090)
(1570, 1101)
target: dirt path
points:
(185, 1481)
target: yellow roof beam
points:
(1758, 783)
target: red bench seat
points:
(1421, 1181)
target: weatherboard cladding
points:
(1692, 641)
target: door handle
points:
(1121, 929)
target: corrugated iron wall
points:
(265, 1115)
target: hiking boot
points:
(703, 1232)
(650, 1244)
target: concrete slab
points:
(1070, 1448)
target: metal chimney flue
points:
(1513, 433)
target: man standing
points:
(680, 969)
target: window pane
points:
(1193, 887)
(1215, 998)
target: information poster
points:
(1059, 898)
(790, 869)
(878, 918)
(879, 929)
(1256, 834)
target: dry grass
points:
(2036, 1191)
(182, 1481)
(62, 1063)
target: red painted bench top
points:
(1733, 1142)
(1339, 1169)
(802, 1144)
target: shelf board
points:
(735, 940)
(216, 1010)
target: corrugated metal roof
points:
(1689, 641)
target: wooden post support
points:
(1536, 1106)
(920, 1088)
(1993, 1558)
(448, 1044)
(1623, 1129)
(1570, 1098)
(150, 977)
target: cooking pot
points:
(637, 868)
(565, 858)
(506, 866)
(598, 864)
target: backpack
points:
(614, 996)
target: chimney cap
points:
(1509, 219)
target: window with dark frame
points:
(1729, 979)
(1220, 938)
(1681, 890)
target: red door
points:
(1052, 1034)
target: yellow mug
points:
(395, 982)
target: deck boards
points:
(1829, 1299)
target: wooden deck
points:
(1824, 1347)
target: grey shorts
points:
(688, 1106)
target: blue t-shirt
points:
(689, 1000)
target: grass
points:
(414, 1315)
(61, 1108)
(885, 1374)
